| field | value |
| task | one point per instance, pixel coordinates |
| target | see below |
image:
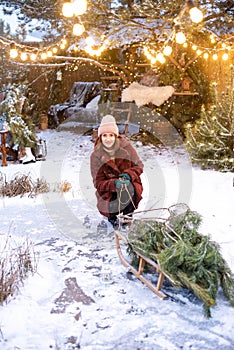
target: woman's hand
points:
(125, 176)
(121, 183)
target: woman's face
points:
(108, 139)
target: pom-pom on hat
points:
(108, 125)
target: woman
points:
(115, 169)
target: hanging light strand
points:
(221, 48)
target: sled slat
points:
(138, 273)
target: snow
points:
(122, 312)
(14, 23)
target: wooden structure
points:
(6, 150)
(3, 147)
(139, 272)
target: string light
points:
(64, 41)
(78, 7)
(167, 50)
(160, 58)
(92, 49)
(13, 51)
(67, 9)
(43, 56)
(23, 56)
(89, 41)
(33, 56)
(225, 56)
(74, 8)
(180, 38)
(212, 39)
(196, 15)
(62, 45)
(78, 29)
(25, 52)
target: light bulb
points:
(167, 50)
(79, 7)
(43, 55)
(225, 56)
(180, 38)
(13, 53)
(206, 55)
(215, 57)
(23, 56)
(196, 15)
(90, 41)
(160, 58)
(67, 9)
(33, 56)
(98, 52)
(78, 29)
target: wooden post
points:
(43, 121)
(3, 147)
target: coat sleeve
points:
(100, 178)
(136, 168)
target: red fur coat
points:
(105, 171)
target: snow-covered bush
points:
(15, 114)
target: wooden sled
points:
(138, 273)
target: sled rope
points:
(120, 201)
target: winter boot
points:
(113, 220)
(28, 158)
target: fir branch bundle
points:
(186, 257)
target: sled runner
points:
(141, 264)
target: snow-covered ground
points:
(68, 304)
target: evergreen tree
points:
(210, 140)
(15, 112)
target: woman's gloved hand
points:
(125, 176)
(121, 183)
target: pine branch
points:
(186, 257)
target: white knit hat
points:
(108, 125)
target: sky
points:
(67, 303)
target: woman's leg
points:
(113, 210)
